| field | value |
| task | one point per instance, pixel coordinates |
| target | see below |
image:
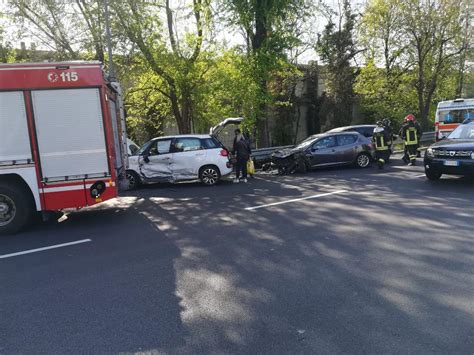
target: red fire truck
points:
(61, 139)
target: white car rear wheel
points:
(209, 175)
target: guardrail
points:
(262, 155)
(427, 139)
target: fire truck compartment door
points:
(70, 133)
(14, 137)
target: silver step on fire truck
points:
(62, 139)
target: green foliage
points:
(147, 109)
(6, 51)
(228, 90)
(181, 65)
(419, 44)
(379, 99)
(270, 28)
(337, 49)
(175, 74)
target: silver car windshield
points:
(465, 131)
(307, 142)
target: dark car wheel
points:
(133, 180)
(209, 175)
(432, 175)
(362, 160)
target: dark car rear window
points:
(346, 139)
(366, 131)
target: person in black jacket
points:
(241, 151)
(381, 140)
(411, 133)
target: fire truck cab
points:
(61, 139)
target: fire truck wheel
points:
(133, 180)
(16, 208)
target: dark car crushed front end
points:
(289, 161)
(453, 155)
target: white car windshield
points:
(465, 131)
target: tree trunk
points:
(460, 76)
(263, 139)
(258, 41)
(177, 112)
(186, 114)
(421, 107)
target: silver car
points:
(327, 149)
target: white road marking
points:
(417, 168)
(45, 248)
(295, 200)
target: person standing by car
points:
(411, 134)
(387, 125)
(241, 151)
(382, 149)
(405, 157)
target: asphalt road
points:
(351, 261)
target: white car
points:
(182, 157)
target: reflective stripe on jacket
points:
(411, 136)
(379, 141)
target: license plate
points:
(451, 163)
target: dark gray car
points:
(327, 149)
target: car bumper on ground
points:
(450, 166)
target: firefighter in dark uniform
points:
(411, 134)
(382, 149)
(387, 125)
(405, 157)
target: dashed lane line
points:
(30, 251)
(294, 200)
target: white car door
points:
(189, 155)
(156, 163)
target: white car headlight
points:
(472, 155)
(429, 153)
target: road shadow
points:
(114, 294)
(376, 270)
(350, 274)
